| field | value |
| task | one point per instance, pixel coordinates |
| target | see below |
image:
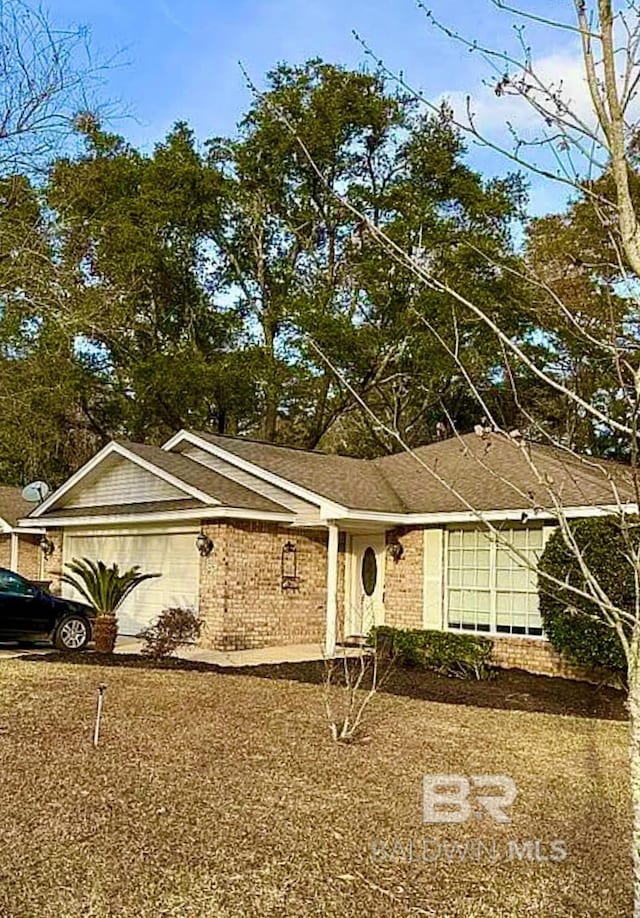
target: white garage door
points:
(172, 555)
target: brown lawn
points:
(218, 794)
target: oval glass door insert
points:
(369, 571)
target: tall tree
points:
(310, 277)
(48, 76)
(134, 234)
(286, 243)
(583, 295)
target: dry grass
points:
(222, 795)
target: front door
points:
(366, 606)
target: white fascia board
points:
(328, 508)
(120, 450)
(197, 515)
(4, 526)
(437, 519)
(25, 527)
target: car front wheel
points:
(72, 633)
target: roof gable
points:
(133, 475)
(118, 480)
(350, 483)
(460, 474)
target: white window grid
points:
(487, 587)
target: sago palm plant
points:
(105, 589)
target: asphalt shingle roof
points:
(229, 493)
(483, 473)
(355, 483)
(488, 473)
(150, 506)
(492, 473)
(12, 505)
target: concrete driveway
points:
(9, 651)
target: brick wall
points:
(404, 580)
(404, 586)
(5, 550)
(538, 656)
(29, 556)
(52, 566)
(241, 597)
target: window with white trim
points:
(489, 589)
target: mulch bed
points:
(508, 690)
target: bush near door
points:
(456, 655)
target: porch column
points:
(332, 591)
(13, 561)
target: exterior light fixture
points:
(46, 546)
(204, 544)
(289, 566)
(395, 549)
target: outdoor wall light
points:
(204, 544)
(395, 549)
(46, 546)
(289, 566)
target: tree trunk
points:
(271, 388)
(270, 421)
(633, 704)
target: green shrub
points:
(575, 626)
(459, 655)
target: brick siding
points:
(5, 550)
(244, 606)
(404, 580)
(404, 586)
(29, 557)
(52, 566)
(538, 656)
(242, 600)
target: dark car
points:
(29, 613)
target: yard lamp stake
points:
(96, 731)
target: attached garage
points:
(173, 554)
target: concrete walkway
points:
(292, 653)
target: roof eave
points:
(524, 514)
(196, 515)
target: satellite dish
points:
(36, 492)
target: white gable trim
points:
(4, 526)
(109, 450)
(328, 508)
(196, 515)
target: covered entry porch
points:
(352, 615)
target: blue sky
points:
(179, 60)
